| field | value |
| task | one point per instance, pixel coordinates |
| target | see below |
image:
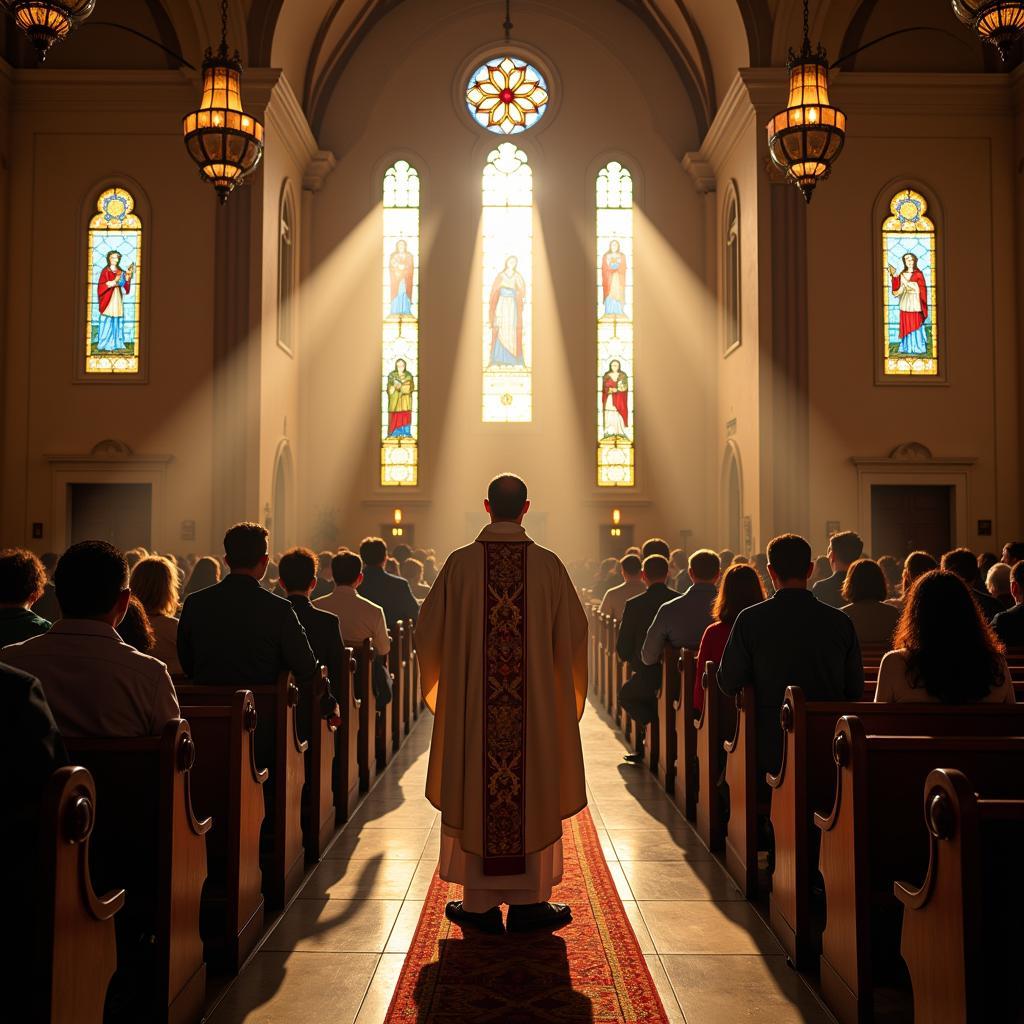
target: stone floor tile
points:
(335, 926)
(298, 988)
(664, 987)
(373, 879)
(727, 989)
(388, 844)
(665, 880)
(382, 988)
(703, 926)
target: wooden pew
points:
(684, 785)
(408, 686)
(594, 655)
(716, 724)
(278, 744)
(346, 742)
(148, 836)
(874, 836)
(806, 782)
(319, 818)
(366, 745)
(227, 786)
(76, 948)
(668, 697)
(394, 730)
(956, 925)
(741, 778)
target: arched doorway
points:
(732, 499)
(280, 523)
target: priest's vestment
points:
(502, 646)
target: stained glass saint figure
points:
(615, 401)
(508, 294)
(400, 268)
(401, 385)
(910, 287)
(114, 285)
(613, 280)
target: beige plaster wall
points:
(71, 133)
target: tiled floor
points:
(336, 953)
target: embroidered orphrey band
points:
(504, 708)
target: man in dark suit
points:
(792, 639)
(1009, 624)
(237, 632)
(298, 574)
(963, 562)
(639, 694)
(392, 593)
(843, 550)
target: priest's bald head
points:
(507, 500)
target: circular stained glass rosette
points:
(507, 96)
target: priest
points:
(502, 647)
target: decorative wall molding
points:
(701, 173)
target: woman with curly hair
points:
(944, 652)
(155, 583)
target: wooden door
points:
(907, 518)
(121, 514)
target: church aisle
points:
(337, 952)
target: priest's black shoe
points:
(526, 918)
(489, 921)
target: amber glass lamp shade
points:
(806, 138)
(45, 22)
(999, 22)
(225, 142)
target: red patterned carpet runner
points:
(590, 970)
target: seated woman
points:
(155, 584)
(944, 651)
(865, 591)
(916, 564)
(740, 588)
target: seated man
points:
(639, 694)
(235, 632)
(95, 684)
(298, 576)
(1009, 625)
(681, 622)
(614, 601)
(22, 581)
(792, 639)
(360, 619)
(843, 550)
(391, 593)
(962, 562)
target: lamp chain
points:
(508, 20)
(807, 25)
(224, 26)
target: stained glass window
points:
(114, 267)
(615, 376)
(506, 95)
(399, 430)
(910, 325)
(507, 231)
(286, 275)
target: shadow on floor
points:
(514, 979)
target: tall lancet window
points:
(507, 232)
(911, 328)
(114, 275)
(399, 431)
(615, 377)
(733, 323)
(286, 275)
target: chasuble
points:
(502, 647)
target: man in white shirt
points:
(95, 684)
(360, 619)
(614, 601)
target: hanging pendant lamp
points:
(224, 141)
(999, 22)
(46, 22)
(806, 138)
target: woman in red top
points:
(740, 588)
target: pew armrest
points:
(178, 737)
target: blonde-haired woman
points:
(155, 584)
